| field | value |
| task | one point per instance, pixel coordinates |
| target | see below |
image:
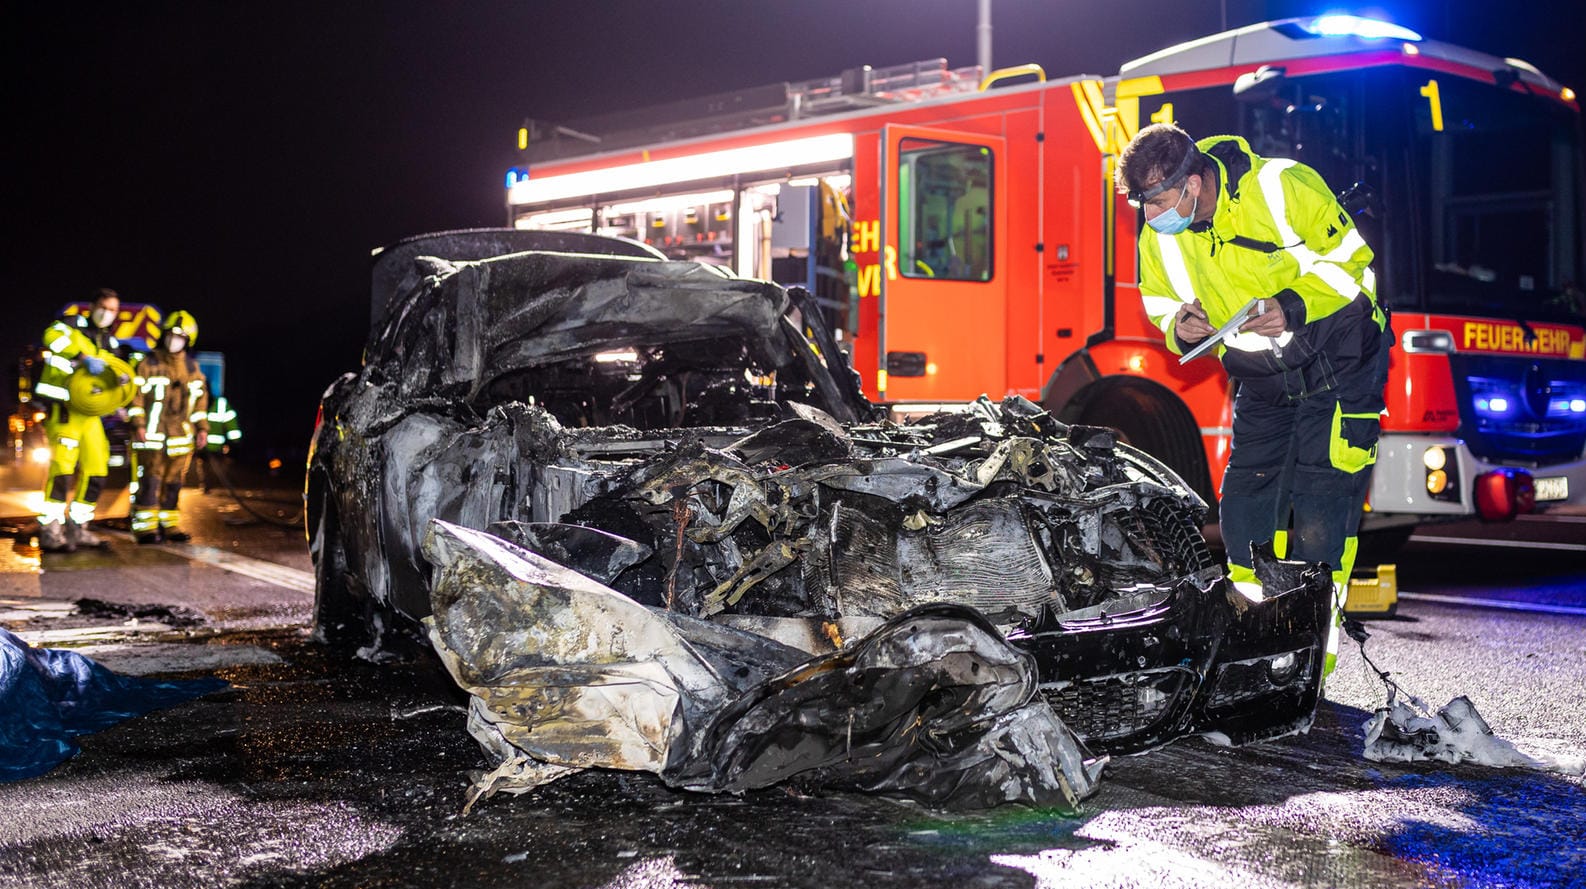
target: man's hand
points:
(200, 439)
(1190, 323)
(1268, 319)
(96, 366)
(138, 434)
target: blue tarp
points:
(49, 697)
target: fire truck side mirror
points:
(1258, 87)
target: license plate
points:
(1552, 488)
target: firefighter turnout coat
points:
(172, 403)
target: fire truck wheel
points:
(1150, 417)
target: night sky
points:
(240, 160)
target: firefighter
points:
(78, 447)
(1226, 227)
(170, 420)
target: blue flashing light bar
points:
(516, 175)
(1355, 26)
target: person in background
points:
(1227, 229)
(170, 420)
(79, 451)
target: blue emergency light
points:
(1355, 26)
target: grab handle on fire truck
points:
(1015, 71)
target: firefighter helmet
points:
(182, 322)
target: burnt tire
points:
(336, 617)
(1150, 417)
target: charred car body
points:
(694, 441)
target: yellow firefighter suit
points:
(77, 440)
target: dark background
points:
(240, 160)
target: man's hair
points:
(102, 294)
(1160, 154)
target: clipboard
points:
(1229, 328)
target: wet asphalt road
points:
(316, 771)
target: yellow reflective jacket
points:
(1277, 232)
(69, 339)
(172, 402)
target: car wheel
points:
(335, 614)
(1147, 416)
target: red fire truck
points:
(963, 234)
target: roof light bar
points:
(1355, 26)
(710, 165)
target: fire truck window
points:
(1500, 181)
(944, 210)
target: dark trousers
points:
(1304, 467)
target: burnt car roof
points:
(394, 272)
(478, 320)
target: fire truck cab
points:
(962, 234)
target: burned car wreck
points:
(552, 453)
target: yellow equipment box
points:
(1373, 593)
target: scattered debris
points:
(174, 616)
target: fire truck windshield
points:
(1499, 174)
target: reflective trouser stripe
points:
(169, 518)
(1245, 583)
(80, 512)
(145, 520)
(52, 511)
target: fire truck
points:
(962, 231)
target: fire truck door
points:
(942, 333)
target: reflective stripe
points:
(63, 365)
(1347, 248)
(179, 440)
(1162, 309)
(195, 416)
(154, 418)
(68, 442)
(234, 434)
(50, 390)
(1271, 180)
(145, 520)
(80, 512)
(1177, 273)
(1255, 342)
(53, 511)
(153, 435)
(134, 411)
(1250, 589)
(60, 342)
(179, 450)
(158, 381)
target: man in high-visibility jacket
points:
(170, 420)
(1225, 226)
(78, 446)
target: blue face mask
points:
(1170, 221)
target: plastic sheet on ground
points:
(50, 697)
(568, 674)
(1456, 733)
